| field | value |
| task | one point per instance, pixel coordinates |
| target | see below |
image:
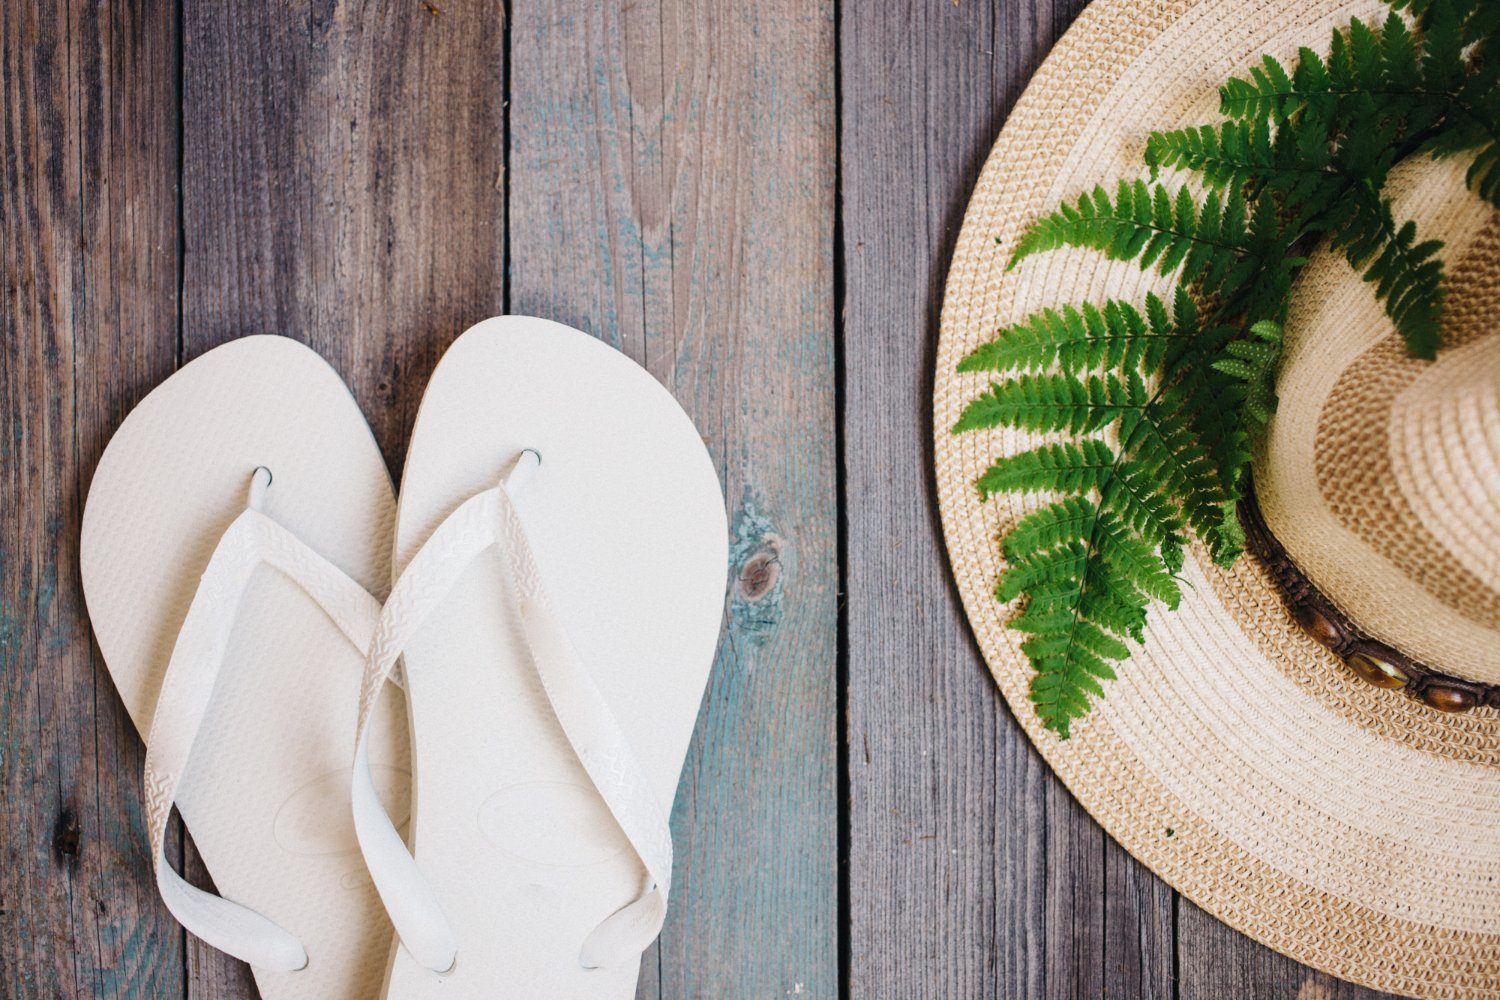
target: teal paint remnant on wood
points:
(671, 192)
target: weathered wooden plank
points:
(971, 872)
(88, 261)
(672, 192)
(342, 184)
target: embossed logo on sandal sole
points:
(552, 823)
(316, 820)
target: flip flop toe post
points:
(562, 555)
(235, 530)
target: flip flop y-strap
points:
(490, 519)
(250, 541)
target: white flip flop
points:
(562, 548)
(237, 524)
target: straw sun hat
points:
(1353, 827)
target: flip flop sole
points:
(627, 520)
(265, 795)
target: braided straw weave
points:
(1351, 828)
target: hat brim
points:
(1345, 826)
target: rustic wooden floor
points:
(755, 199)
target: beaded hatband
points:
(1371, 659)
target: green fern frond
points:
(1380, 87)
(1475, 130)
(1067, 520)
(1270, 93)
(1169, 451)
(1295, 164)
(1135, 562)
(1055, 566)
(1233, 153)
(1054, 403)
(1484, 173)
(1156, 409)
(1063, 467)
(1253, 362)
(1363, 62)
(1077, 339)
(1419, 8)
(1113, 602)
(1151, 225)
(1400, 56)
(1408, 275)
(1356, 65)
(1481, 22)
(1076, 621)
(1137, 500)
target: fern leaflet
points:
(1154, 409)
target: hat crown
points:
(1381, 472)
(1445, 434)
(1354, 828)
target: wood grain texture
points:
(1005, 887)
(670, 184)
(88, 261)
(672, 192)
(342, 184)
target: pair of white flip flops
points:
(556, 571)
